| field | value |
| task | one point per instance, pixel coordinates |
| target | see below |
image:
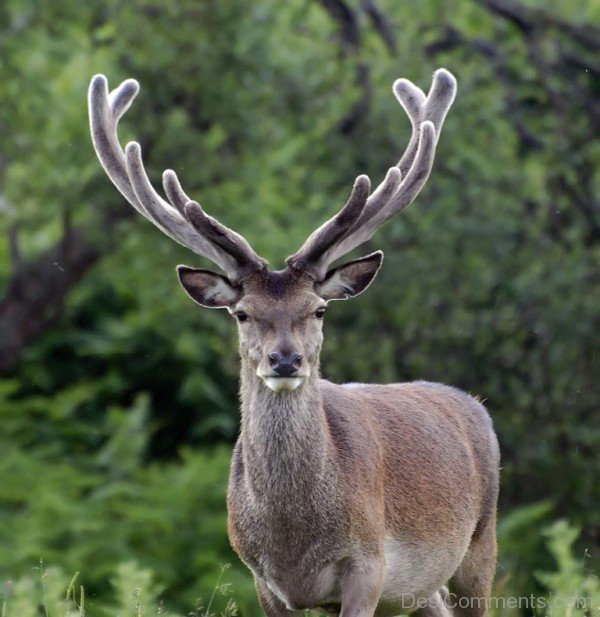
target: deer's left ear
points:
(350, 279)
(208, 288)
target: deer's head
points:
(279, 313)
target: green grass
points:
(42, 594)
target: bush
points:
(92, 512)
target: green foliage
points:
(90, 513)
(573, 590)
(564, 582)
(47, 592)
(135, 594)
(521, 548)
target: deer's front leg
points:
(270, 603)
(361, 587)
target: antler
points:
(182, 219)
(363, 214)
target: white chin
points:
(283, 384)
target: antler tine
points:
(222, 236)
(420, 108)
(105, 114)
(175, 194)
(405, 194)
(162, 214)
(403, 182)
(332, 230)
(121, 98)
(126, 170)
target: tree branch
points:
(347, 21)
(528, 20)
(522, 17)
(381, 24)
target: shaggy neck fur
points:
(285, 439)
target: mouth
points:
(282, 384)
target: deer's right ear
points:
(350, 279)
(208, 288)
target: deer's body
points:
(427, 454)
(359, 499)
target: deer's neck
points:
(285, 438)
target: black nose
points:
(285, 365)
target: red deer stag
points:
(354, 499)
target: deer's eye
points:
(320, 312)
(241, 316)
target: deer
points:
(354, 499)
